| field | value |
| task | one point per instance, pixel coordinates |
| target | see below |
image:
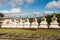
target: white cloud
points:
(13, 3)
(29, 1)
(49, 12)
(4, 11)
(53, 4)
(14, 10)
(20, 2)
(16, 2)
(11, 13)
(38, 14)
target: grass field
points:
(38, 31)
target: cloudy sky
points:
(16, 8)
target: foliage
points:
(49, 17)
(1, 15)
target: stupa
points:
(14, 23)
(43, 23)
(26, 23)
(4, 23)
(7, 23)
(54, 23)
(20, 23)
(10, 23)
(34, 23)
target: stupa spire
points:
(20, 17)
(27, 19)
(34, 15)
(54, 15)
(44, 19)
(35, 19)
(44, 15)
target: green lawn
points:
(39, 31)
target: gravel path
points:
(15, 36)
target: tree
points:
(1, 15)
(48, 17)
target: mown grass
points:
(38, 31)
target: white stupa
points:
(34, 23)
(14, 23)
(20, 23)
(26, 23)
(10, 23)
(43, 23)
(7, 23)
(54, 23)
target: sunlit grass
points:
(39, 31)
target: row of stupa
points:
(8, 23)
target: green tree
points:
(1, 15)
(48, 17)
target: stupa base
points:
(43, 26)
(54, 26)
(34, 27)
(26, 26)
